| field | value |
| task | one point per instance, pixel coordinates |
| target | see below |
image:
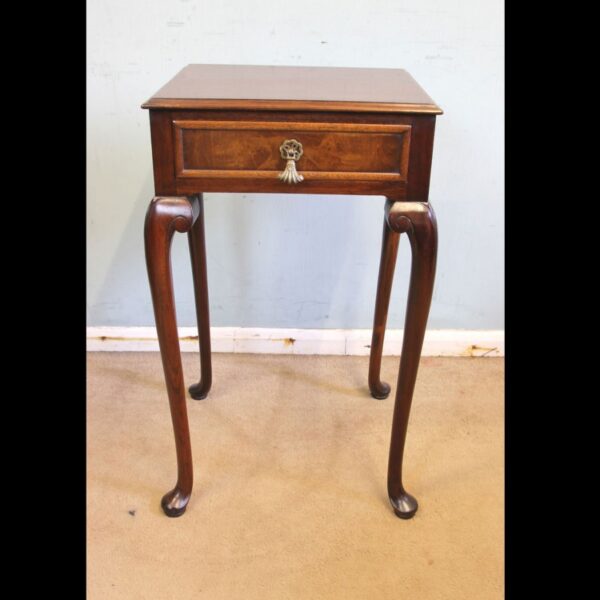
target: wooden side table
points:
(303, 130)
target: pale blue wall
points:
(298, 261)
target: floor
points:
(290, 482)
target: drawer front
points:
(249, 151)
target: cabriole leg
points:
(166, 215)
(197, 244)
(417, 219)
(389, 251)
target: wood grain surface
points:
(293, 88)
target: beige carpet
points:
(290, 482)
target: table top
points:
(293, 88)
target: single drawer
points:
(250, 151)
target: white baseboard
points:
(356, 342)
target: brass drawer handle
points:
(291, 150)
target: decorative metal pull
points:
(291, 150)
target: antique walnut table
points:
(299, 130)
